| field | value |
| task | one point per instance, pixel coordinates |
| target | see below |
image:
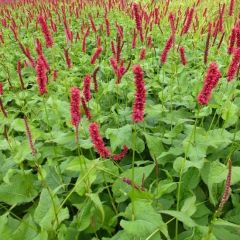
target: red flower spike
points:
(98, 141)
(121, 155)
(41, 76)
(86, 109)
(96, 55)
(234, 65)
(86, 87)
(211, 79)
(166, 49)
(140, 95)
(75, 106)
(142, 54)
(182, 56)
(45, 31)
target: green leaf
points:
(155, 145)
(47, 213)
(97, 202)
(182, 217)
(21, 188)
(119, 137)
(189, 206)
(213, 173)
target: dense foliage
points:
(119, 120)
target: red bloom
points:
(45, 31)
(98, 141)
(142, 54)
(234, 65)
(167, 48)
(19, 71)
(188, 21)
(238, 35)
(75, 106)
(67, 58)
(29, 136)
(210, 82)
(86, 109)
(86, 87)
(182, 55)
(1, 89)
(121, 155)
(96, 55)
(134, 39)
(92, 23)
(107, 27)
(138, 19)
(41, 76)
(38, 47)
(232, 41)
(140, 95)
(207, 43)
(149, 42)
(171, 20)
(231, 7)
(85, 39)
(94, 76)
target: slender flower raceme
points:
(94, 77)
(1, 89)
(227, 190)
(98, 141)
(86, 87)
(188, 21)
(29, 136)
(182, 55)
(234, 65)
(67, 58)
(122, 154)
(75, 106)
(19, 71)
(86, 109)
(211, 79)
(142, 54)
(41, 76)
(138, 19)
(166, 49)
(96, 55)
(232, 41)
(207, 43)
(231, 7)
(140, 95)
(45, 30)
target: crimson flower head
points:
(41, 76)
(75, 106)
(234, 65)
(38, 45)
(140, 95)
(45, 30)
(232, 40)
(86, 87)
(98, 141)
(1, 89)
(122, 154)
(138, 19)
(166, 49)
(96, 55)
(182, 55)
(211, 79)
(142, 54)
(188, 21)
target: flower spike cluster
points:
(212, 77)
